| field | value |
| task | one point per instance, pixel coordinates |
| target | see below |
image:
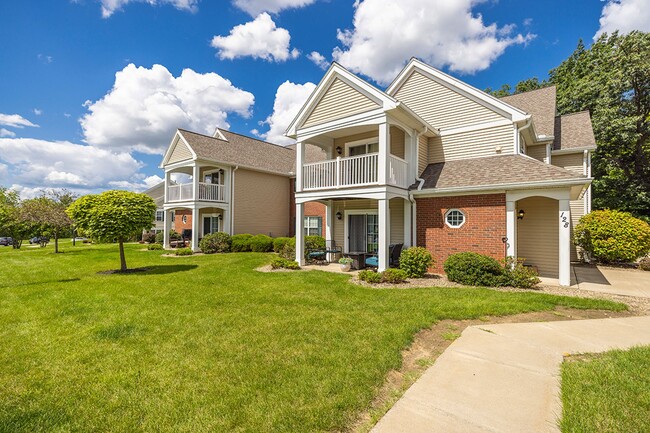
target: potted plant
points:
(345, 263)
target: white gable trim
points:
(457, 86)
(218, 134)
(172, 146)
(337, 71)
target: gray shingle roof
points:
(540, 104)
(494, 170)
(241, 150)
(573, 131)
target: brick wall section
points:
(179, 226)
(312, 208)
(485, 226)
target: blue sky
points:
(67, 120)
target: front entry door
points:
(210, 225)
(363, 233)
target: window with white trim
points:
(160, 215)
(454, 218)
(313, 226)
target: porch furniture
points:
(321, 255)
(394, 251)
(358, 259)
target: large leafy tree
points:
(49, 212)
(611, 79)
(113, 216)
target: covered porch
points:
(205, 219)
(194, 181)
(361, 226)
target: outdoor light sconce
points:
(339, 216)
(520, 214)
(339, 150)
(220, 216)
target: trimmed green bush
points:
(415, 261)
(279, 243)
(160, 236)
(261, 243)
(313, 243)
(184, 252)
(371, 277)
(393, 276)
(149, 238)
(644, 264)
(215, 243)
(289, 250)
(612, 236)
(518, 275)
(240, 243)
(475, 269)
(282, 263)
(153, 247)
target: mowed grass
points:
(205, 343)
(608, 392)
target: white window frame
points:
(160, 212)
(365, 141)
(307, 227)
(455, 210)
(210, 215)
(212, 171)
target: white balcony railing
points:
(207, 192)
(353, 171)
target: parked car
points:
(6, 242)
(39, 240)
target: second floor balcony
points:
(206, 192)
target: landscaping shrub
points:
(393, 276)
(149, 237)
(153, 247)
(475, 269)
(183, 252)
(279, 243)
(415, 261)
(644, 264)
(279, 262)
(261, 243)
(518, 275)
(313, 243)
(289, 250)
(240, 243)
(371, 277)
(612, 236)
(160, 236)
(215, 243)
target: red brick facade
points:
(312, 208)
(482, 232)
(179, 216)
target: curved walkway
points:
(505, 378)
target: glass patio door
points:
(363, 233)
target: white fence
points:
(207, 192)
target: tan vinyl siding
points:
(339, 101)
(396, 218)
(537, 152)
(574, 163)
(423, 154)
(473, 144)
(397, 137)
(538, 234)
(260, 203)
(440, 106)
(180, 153)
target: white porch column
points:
(300, 161)
(195, 182)
(300, 234)
(511, 228)
(195, 229)
(565, 243)
(168, 178)
(408, 219)
(167, 227)
(384, 150)
(225, 220)
(384, 233)
(414, 224)
(329, 221)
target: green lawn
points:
(205, 343)
(607, 393)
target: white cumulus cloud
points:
(254, 7)
(259, 39)
(145, 106)
(289, 99)
(15, 121)
(109, 7)
(624, 16)
(443, 33)
(55, 164)
(6, 133)
(318, 59)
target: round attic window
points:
(454, 218)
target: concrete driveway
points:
(617, 281)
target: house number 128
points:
(564, 220)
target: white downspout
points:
(519, 130)
(232, 200)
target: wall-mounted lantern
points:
(520, 214)
(339, 215)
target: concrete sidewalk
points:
(505, 378)
(618, 281)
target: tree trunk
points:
(122, 258)
(56, 242)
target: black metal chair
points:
(394, 251)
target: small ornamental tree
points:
(49, 213)
(613, 236)
(113, 216)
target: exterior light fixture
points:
(339, 150)
(339, 215)
(520, 214)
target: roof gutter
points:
(504, 186)
(573, 150)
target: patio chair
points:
(320, 255)
(394, 251)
